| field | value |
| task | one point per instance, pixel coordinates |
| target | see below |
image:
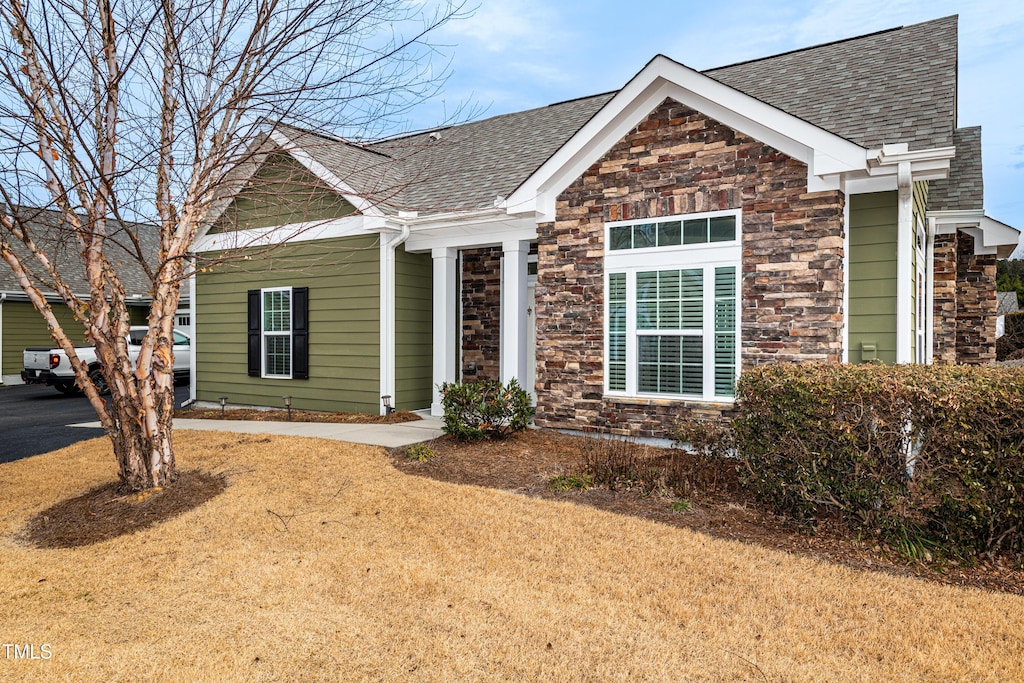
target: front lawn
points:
(321, 561)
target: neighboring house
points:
(1006, 304)
(22, 326)
(624, 255)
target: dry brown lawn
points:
(320, 561)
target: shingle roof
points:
(64, 252)
(469, 165)
(964, 189)
(893, 86)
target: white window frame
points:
(706, 256)
(264, 333)
(920, 283)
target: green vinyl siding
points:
(23, 327)
(413, 330)
(343, 276)
(282, 192)
(873, 275)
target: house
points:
(1006, 304)
(21, 326)
(625, 255)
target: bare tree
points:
(136, 115)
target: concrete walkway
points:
(387, 435)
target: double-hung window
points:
(672, 305)
(279, 333)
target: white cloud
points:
(512, 25)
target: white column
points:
(193, 327)
(445, 323)
(905, 279)
(513, 310)
(846, 275)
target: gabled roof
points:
(895, 86)
(63, 250)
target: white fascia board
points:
(470, 232)
(948, 222)
(363, 205)
(990, 236)
(295, 232)
(825, 153)
(997, 232)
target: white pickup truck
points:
(49, 366)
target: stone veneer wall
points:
(976, 303)
(944, 300)
(481, 314)
(678, 161)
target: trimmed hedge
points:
(485, 409)
(929, 453)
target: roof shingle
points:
(892, 86)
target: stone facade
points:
(481, 314)
(975, 303)
(964, 307)
(944, 300)
(678, 161)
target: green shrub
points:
(930, 453)
(485, 409)
(420, 452)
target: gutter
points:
(3, 298)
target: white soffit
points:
(825, 153)
(990, 236)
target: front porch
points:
(466, 301)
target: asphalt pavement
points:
(35, 419)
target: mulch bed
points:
(527, 462)
(296, 416)
(103, 513)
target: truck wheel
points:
(97, 379)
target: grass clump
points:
(564, 483)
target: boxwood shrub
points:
(934, 453)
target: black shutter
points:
(300, 333)
(254, 332)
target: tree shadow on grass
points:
(103, 513)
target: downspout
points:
(193, 348)
(904, 261)
(387, 316)
(929, 288)
(3, 298)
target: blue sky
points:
(517, 54)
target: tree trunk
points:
(141, 428)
